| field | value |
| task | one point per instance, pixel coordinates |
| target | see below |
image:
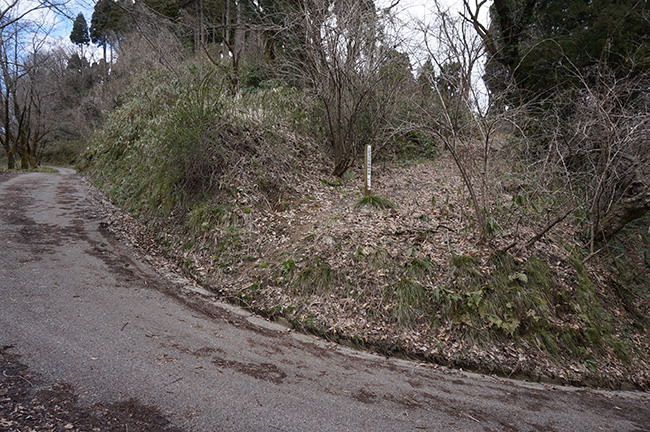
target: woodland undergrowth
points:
(234, 187)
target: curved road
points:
(79, 308)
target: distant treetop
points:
(79, 35)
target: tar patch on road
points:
(27, 403)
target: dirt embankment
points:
(319, 263)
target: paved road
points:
(79, 308)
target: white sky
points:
(421, 9)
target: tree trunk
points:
(11, 159)
(33, 149)
(24, 161)
(24, 151)
(634, 205)
(226, 30)
(343, 153)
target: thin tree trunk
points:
(11, 159)
(226, 30)
(24, 159)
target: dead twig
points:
(17, 376)
(591, 255)
(550, 226)
(173, 382)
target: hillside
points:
(236, 192)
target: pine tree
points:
(169, 8)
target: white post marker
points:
(368, 169)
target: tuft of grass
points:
(288, 266)
(630, 254)
(39, 169)
(205, 216)
(315, 279)
(411, 301)
(621, 348)
(43, 169)
(511, 300)
(336, 183)
(466, 270)
(379, 259)
(174, 140)
(420, 269)
(376, 201)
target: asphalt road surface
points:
(80, 310)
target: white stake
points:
(368, 169)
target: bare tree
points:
(455, 112)
(15, 11)
(23, 30)
(341, 52)
(151, 43)
(15, 67)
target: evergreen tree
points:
(169, 8)
(426, 76)
(582, 67)
(79, 35)
(544, 44)
(78, 80)
(611, 32)
(106, 23)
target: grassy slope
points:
(238, 195)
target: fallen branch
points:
(17, 376)
(539, 235)
(547, 229)
(591, 255)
